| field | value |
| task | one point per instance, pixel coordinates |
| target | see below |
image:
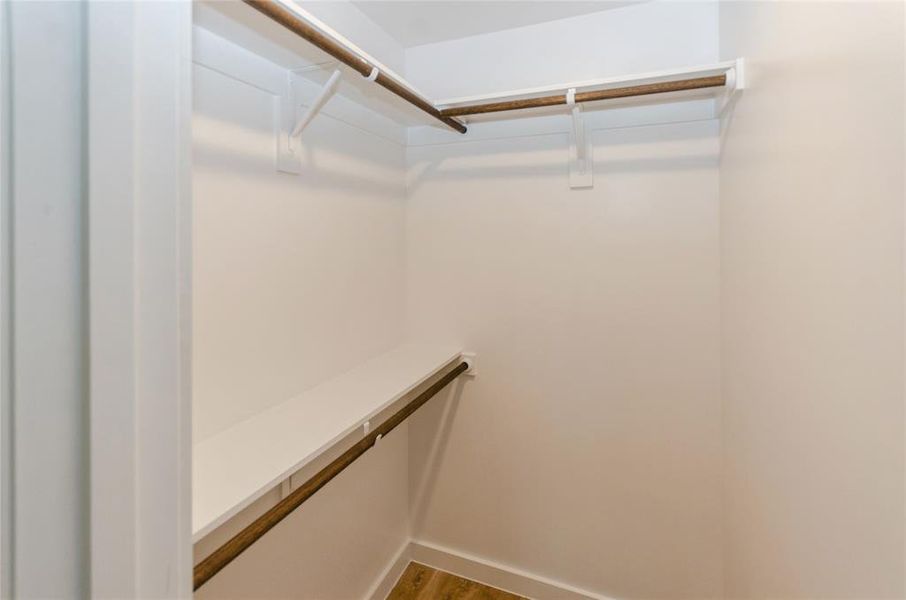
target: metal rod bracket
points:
(580, 171)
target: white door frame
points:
(139, 144)
(5, 359)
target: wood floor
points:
(419, 582)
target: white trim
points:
(383, 585)
(111, 148)
(496, 575)
(139, 256)
(5, 316)
(227, 58)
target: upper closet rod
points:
(300, 27)
(606, 94)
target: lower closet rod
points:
(225, 554)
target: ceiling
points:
(417, 22)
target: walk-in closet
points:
(453, 299)
(605, 211)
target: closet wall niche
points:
(532, 213)
(338, 272)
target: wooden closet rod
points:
(300, 27)
(622, 92)
(225, 554)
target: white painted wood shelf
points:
(237, 466)
(733, 69)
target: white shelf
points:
(236, 467)
(731, 67)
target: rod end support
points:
(469, 359)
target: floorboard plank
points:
(420, 582)
(412, 582)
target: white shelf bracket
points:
(289, 129)
(739, 75)
(736, 82)
(469, 359)
(286, 487)
(317, 104)
(580, 158)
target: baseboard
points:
(494, 574)
(385, 582)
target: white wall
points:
(811, 187)
(338, 546)
(623, 41)
(587, 451)
(595, 448)
(356, 26)
(297, 278)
